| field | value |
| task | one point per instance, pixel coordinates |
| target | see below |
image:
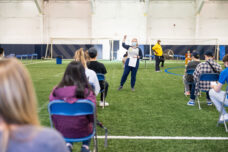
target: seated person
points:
(188, 78)
(98, 68)
(216, 95)
(20, 129)
(209, 66)
(73, 86)
(81, 56)
(1, 53)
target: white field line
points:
(164, 137)
(38, 62)
(58, 74)
(44, 105)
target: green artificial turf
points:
(156, 108)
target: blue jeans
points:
(127, 70)
(192, 94)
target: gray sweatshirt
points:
(30, 139)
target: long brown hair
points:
(17, 98)
(82, 56)
(75, 76)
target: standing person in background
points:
(98, 67)
(1, 53)
(20, 129)
(132, 62)
(81, 56)
(158, 55)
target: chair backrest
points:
(100, 76)
(209, 77)
(190, 71)
(79, 108)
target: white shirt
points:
(92, 77)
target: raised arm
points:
(123, 43)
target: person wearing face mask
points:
(216, 95)
(158, 55)
(132, 62)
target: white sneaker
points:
(102, 104)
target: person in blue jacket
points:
(132, 62)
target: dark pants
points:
(192, 94)
(157, 63)
(127, 69)
(104, 86)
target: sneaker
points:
(120, 87)
(84, 149)
(191, 103)
(132, 89)
(69, 147)
(102, 103)
(209, 103)
(158, 71)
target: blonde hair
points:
(81, 56)
(17, 97)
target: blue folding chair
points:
(223, 106)
(206, 77)
(101, 77)
(79, 108)
(190, 71)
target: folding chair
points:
(223, 106)
(207, 77)
(79, 108)
(101, 77)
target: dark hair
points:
(209, 53)
(225, 58)
(1, 50)
(196, 55)
(75, 76)
(92, 52)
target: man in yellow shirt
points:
(158, 55)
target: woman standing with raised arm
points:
(132, 62)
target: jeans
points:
(217, 98)
(104, 85)
(127, 70)
(157, 63)
(192, 93)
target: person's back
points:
(35, 139)
(74, 86)
(205, 67)
(97, 67)
(20, 129)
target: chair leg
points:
(95, 143)
(225, 125)
(199, 103)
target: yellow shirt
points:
(157, 49)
